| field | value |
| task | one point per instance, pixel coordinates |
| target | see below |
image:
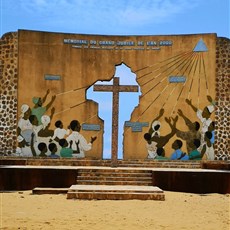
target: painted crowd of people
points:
(199, 138)
(36, 139)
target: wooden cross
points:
(115, 89)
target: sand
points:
(23, 210)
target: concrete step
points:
(40, 191)
(115, 192)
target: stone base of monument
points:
(114, 184)
(110, 184)
(115, 192)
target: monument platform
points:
(105, 192)
(110, 184)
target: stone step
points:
(145, 163)
(40, 191)
(113, 170)
(168, 165)
(115, 192)
(100, 182)
(112, 174)
(115, 196)
(114, 178)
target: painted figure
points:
(155, 125)
(207, 149)
(161, 141)
(191, 134)
(53, 150)
(77, 141)
(39, 110)
(59, 132)
(203, 115)
(42, 147)
(65, 151)
(153, 131)
(161, 154)
(42, 132)
(195, 154)
(24, 149)
(45, 120)
(211, 128)
(36, 128)
(178, 154)
(25, 127)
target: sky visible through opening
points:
(127, 103)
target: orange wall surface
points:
(81, 65)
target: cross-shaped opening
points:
(127, 103)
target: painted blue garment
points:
(212, 140)
(177, 154)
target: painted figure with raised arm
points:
(161, 141)
(191, 134)
(154, 130)
(77, 141)
(203, 115)
(39, 110)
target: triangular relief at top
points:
(200, 46)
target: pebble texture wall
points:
(222, 116)
(8, 95)
(8, 92)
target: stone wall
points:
(8, 92)
(222, 118)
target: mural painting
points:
(175, 118)
(35, 138)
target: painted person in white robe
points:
(77, 142)
(24, 149)
(154, 131)
(25, 128)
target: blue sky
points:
(117, 17)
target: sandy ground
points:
(23, 210)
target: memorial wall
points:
(45, 76)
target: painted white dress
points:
(24, 152)
(76, 137)
(152, 150)
(210, 154)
